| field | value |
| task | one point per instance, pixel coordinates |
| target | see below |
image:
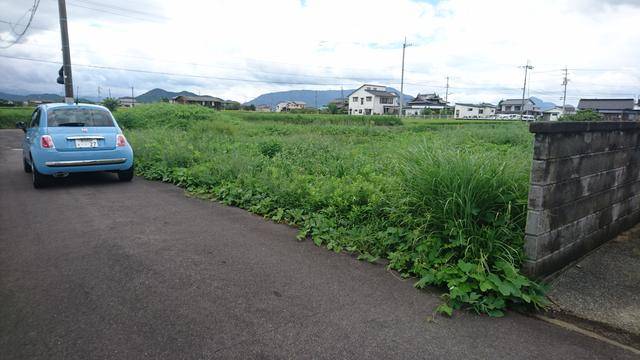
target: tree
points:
(232, 105)
(111, 103)
(333, 108)
(582, 115)
(164, 100)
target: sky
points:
(239, 49)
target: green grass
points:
(9, 116)
(445, 204)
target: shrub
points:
(582, 115)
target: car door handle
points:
(28, 138)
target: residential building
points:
(204, 100)
(612, 109)
(263, 108)
(474, 111)
(341, 104)
(514, 106)
(421, 102)
(373, 100)
(290, 105)
(127, 101)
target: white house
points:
(474, 111)
(422, 102)
(290, 105)
(373, 100)
(127, 101)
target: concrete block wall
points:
(585, 189)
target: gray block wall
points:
(585, 189)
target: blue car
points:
(71, 138)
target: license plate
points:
(86, 143)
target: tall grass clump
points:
(469, 208)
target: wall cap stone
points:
(548, 127)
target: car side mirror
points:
(21, 125)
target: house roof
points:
(381, 93)
(514, 101)
(606, 104)
(477, 105)
(199, 98)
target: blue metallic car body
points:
(62, 158)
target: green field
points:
(443, 201)
(9, 116)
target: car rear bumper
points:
(53, 162)
(85, 162)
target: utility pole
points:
(109, 92)
(66, 53)
(565, 81)
(446, 94)
(524, 87)
(316, 101)
(77, 94)
(133, 99)
(404, 46)
(98, 92)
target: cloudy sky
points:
(239, 49)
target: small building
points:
(474, 111)
(422, 102)
(263, 108)
(553, 114)
(290, 105)
(612, 109)
(204, 100)
(127, 101)
(514, 106)
(373, 100)
(342, 105)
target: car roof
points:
(79, 105)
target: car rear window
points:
(79, 117)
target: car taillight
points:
(46, 142)
(121, 140)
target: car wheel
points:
(126, 175)
(25, 164)
(39, 180)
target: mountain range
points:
(312, 98)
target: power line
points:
(19, 36)
(114, 13)
(118, 8)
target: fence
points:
(585, 189)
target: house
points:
(342, 105)
(373, 100)
(514, 106)
(612, 109)
(474, 111)
(263, 108)
(290, 105)
(421, 102)
(205, 100)
(128, 101)
(553, 114)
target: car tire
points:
(25, 164)
(39, 180)
(126, 175)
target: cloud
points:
(245, 48)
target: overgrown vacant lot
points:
(443, 201)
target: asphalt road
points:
(91, 268)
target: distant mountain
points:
(156, 95)
(308, 96)
(45, 97)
